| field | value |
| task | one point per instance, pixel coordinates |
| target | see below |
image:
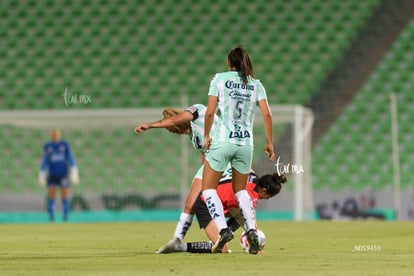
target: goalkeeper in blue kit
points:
(58, 170)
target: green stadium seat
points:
(140, 56)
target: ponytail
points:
(272, 183)
(240, 59)
(282, 179)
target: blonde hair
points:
(179, 129)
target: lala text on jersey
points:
(239, 134)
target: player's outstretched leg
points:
(225, 236)
(174, 245)
(253, 241)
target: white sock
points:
(215, 207)
(183, 225)
(246, 208)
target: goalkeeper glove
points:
(74, 175)
(41, 180)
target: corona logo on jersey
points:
(237, 85)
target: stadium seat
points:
(370, 125)
(149, 55)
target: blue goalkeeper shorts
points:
(58, 181)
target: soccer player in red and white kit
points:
(258, 188)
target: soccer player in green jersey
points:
(189, 121)
(233, 96)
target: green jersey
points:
(197, 125)
(236, 107)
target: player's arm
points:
(73, 171)
(267, 119)
(236, 219)
(176, 120)
(208, 120)
(71, 158)
(42, 177)
(203, 157)
(43, 164)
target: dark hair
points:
(240, 59)
(272, 183)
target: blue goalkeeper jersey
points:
(57, 158)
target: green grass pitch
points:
(292, 248)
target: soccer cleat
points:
(171, 246)
(225, 236)
(253, 241)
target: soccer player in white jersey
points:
(189, 121)
(233, 96)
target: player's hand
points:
(74, 176)
(142, 128)
(207, 142)
(41, 180)
(269, 151)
